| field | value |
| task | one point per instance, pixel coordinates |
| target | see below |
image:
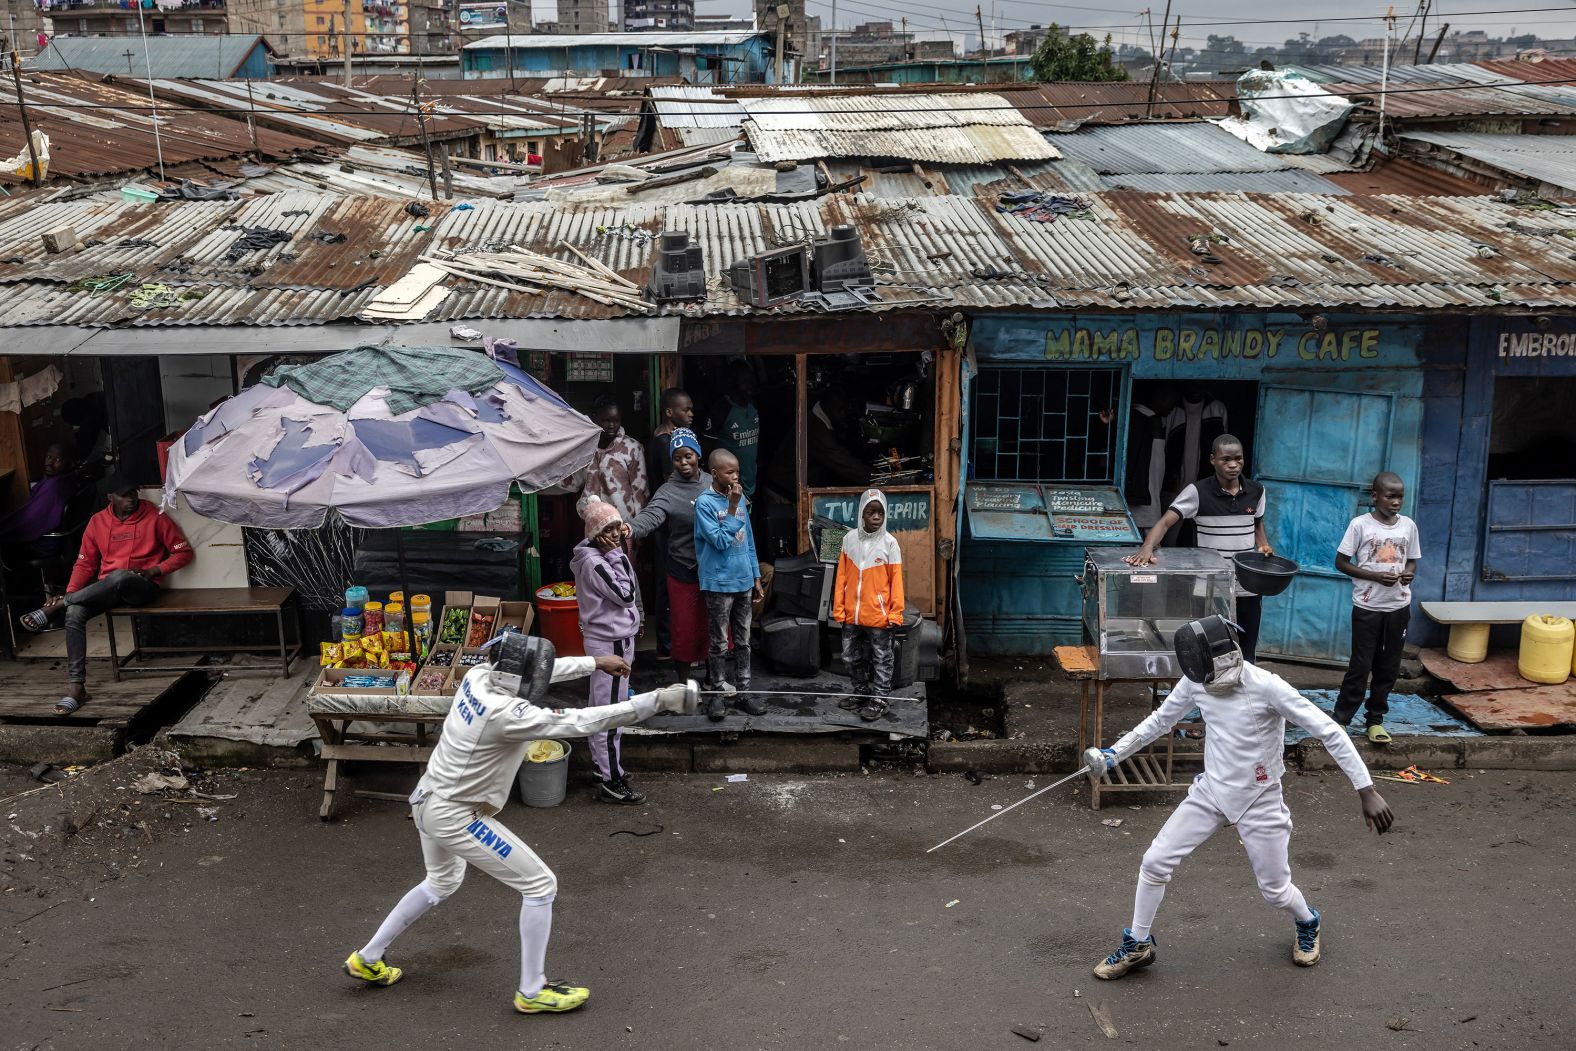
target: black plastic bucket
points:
(1264, 574)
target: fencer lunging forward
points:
(495, 714)
(1245, 711)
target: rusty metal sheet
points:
(1498, 672)
(1531, 708)
(1115, 102)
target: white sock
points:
(536, 926)
(1298, 907)
(1145, 904)
(411, 908)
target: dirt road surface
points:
(786, 913)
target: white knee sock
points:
(536, 926)
(411, 908)
(1298, 906)
(1145, 904)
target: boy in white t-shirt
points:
(1379, 552)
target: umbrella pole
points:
(404, 574)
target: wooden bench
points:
(1469, 621)
(205, 602)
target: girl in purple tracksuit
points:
(606, 589)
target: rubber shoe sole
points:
(549, 1001)
(1136, 960)
(357, 969)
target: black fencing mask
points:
(1208, 653)
(522, 665)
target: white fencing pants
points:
(454, 835)
(1265, 832)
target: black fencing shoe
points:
(618, 791)
(752, 705)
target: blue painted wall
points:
(1530, 540)
(1363, 393)
(256, 66)
(748, 63)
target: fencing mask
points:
(522, 665)
(1208, 652)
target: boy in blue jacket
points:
(730, 578)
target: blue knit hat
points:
(683, 438)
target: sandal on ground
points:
(37, 621)
(67, 705)
(1378, 734)
(873, 710)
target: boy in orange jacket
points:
(868, 602)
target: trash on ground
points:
(951, 903)
(734, 779)
(974, 777)
(1112, 822)
(153, 781)
(1102, 1018)
(47, 773)
(1031, 1033)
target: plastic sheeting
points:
(1287, 113)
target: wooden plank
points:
(269, 712)
(377, 753)
(1498, 672)
(1495, 612)
(1531, 708)
(1078, 662)
(213, 600)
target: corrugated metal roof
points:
(1420, 103)
(1280, 251)
(1291, 180)
(1403, 73)
(1547, 158)
(1053, 104)
(690, 106)
(1547, 69)
(972, 128)
(1175, 148)
(186, 55)
(99, 129)
(553, 41)
(1398, 175)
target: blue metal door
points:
(1316, 451)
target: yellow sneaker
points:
(555, 996)
(377, 972)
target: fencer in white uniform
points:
(1245, 713)
(497, 712)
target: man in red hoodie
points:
(127, 548)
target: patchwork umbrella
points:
(385, 436)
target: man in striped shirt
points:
(1228, 511)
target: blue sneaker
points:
(1133, 954)
(1306, 952)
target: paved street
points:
(802, 913)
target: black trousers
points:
(1377, 638)
(1249, 607)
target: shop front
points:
(1501, 439)
(1080, 429)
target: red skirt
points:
(688, 641)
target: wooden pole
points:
(426, 143)
(27, 123)
(1440, 39)
(1154, 77)
(347, 45)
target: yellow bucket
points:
(1546, 649)
(1468, 643)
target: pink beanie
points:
(599, 515)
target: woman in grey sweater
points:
(672, 511)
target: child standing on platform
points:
(730, 578)
(606, 588)
(1379, 552)
(867, 600)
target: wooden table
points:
(1149, 770)
(343, 744)
(227, 602)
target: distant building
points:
(654, 16)
(695, 57)
(579, 17)
(114, 18)
(166, 57)
(316, 28)
(796, 34)
(1025, 41)
(717, 23)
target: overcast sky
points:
(1121, 18)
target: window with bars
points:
(1045, 424)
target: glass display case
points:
(1130, 613)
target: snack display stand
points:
(400, 722)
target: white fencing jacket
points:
(1245, 736)
(486, 732)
